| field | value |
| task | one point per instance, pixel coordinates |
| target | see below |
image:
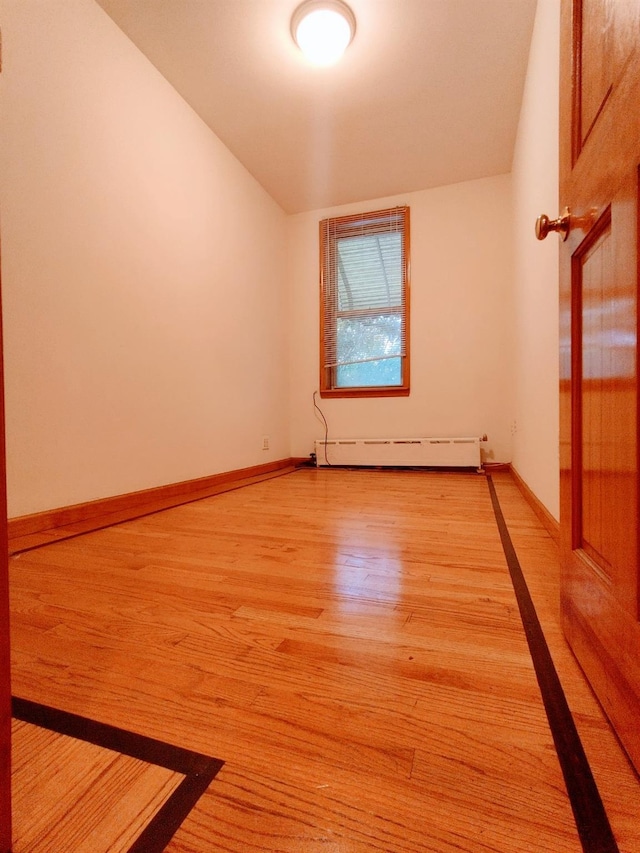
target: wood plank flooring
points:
(348, 642)
(65, 790)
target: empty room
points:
(319, 488)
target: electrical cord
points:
(326, 428)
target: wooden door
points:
(5, 684)
(5, 694)
(599, 182)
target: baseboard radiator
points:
(401, 452)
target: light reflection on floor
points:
(365, 575)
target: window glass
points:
(364, 293)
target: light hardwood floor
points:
(348, 642)
(65, 790)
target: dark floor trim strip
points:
(590, 816)
(198, 770)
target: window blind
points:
(364, 288)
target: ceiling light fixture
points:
(323, 29)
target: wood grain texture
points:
(347, 641)
(615, 776)
(73, 795)
(5, 680)
(596, 72)
(41, 528)
(599, 182)
(5, 704)
(551, 525)
(592, 823)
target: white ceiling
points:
(427, 94)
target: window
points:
(364, 310)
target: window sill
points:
(381, 391)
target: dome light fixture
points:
(323, 29)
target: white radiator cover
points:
(461, 452)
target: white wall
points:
(535, 344)
(144, 276)
(142, 272)
(461, 273)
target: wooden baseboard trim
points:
(42, 528)
(302, 462)
(551, 525)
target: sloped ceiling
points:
(427, 94)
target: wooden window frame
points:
(350, 226)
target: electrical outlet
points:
(265, 442)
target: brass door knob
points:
(544, 225)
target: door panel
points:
(600, 157)
(605, 408)
(5, 696)
(5, 681)
(603, 39)
(595, 40)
